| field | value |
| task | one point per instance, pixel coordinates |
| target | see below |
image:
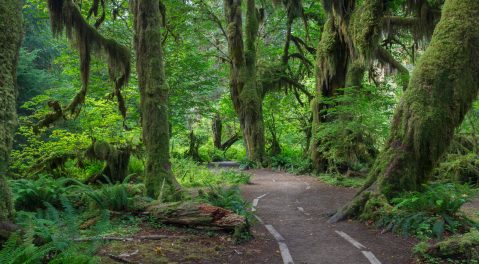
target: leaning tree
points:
(443, 86)
(355, 35)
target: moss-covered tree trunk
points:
(245, 92)
(154, 97)
(217, 129)
(10, 40)
(331, 69)
(442, 88)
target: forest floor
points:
(292, 227)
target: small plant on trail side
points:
(432, 213)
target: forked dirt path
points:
(296, 207)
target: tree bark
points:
(245, 93)
(193, 151)
(443, 86)
(217, 128)
(154, 97)
(10, 40)
(331, 69)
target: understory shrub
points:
(432, 213)
(358, 126)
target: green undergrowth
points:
(192, 174)
(341, 180)
(291, 162)
(431, 214)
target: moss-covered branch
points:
(66, 18)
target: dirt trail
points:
(297, 207)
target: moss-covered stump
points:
(459, 247)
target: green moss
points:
(154, 90)
(375, 207)
(365, 27)
(10, 37)
(464, 247)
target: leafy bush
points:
(358, 126)
(430, 213)
(33, 194)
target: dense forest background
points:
(129, 108)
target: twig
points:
(121, 259)
(109, 238)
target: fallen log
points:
(197, 215)
(462, 247)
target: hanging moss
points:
(116, 158)
(246, 94)
(66, 18)
(365, 28)
(10, 40)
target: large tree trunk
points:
(154, 97)
(10, 40)
(245, 93)
(443, 86)
(331, 68)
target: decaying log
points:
(196, 215)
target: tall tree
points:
(442, 88)
(246, 94)
(10, 40)
(148, 18)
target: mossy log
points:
(463, 247)
(196, 215)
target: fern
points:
(430, 213)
